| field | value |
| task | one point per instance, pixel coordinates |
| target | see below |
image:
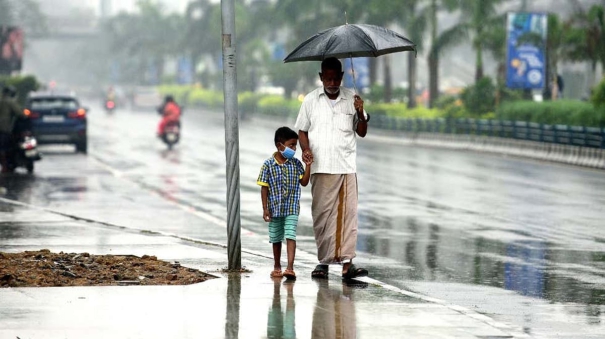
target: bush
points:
(23, 84)
(179, 92)
(248, 102)
(206, 98)
(480, 98)
(376, 94)
(559, 112)
(598, 94)
(277, 105)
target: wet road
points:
(518, 240)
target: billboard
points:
(362, 73)
(11, 49)
(526, 50)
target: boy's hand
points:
(307, 156)
(308, 160)
(267, 215)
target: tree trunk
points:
(433, 79)
(433, 59)
(388, 83)
(411, 80)
(372, 71)
(479, 64)
(500, 82)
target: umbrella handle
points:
(353, 75)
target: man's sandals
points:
(321, 272)
(354, 272)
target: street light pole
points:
(234, 250)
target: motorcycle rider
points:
(9, 113)
(170, 111)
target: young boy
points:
(280, 179)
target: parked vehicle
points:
(58, 119)
(25, 154)
(25, 147)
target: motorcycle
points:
(25, 147)
(172, 130)
(172, 133)
(110, 106)
(25, 153)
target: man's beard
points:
(332, 91)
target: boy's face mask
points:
(288, 153)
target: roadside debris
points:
(44, 269)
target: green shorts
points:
(280, 227)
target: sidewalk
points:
(249, 305)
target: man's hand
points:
(358, 104)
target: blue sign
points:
(361, 66)
(279, 52)
(184, 71)
(526, 54)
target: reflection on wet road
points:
(516, 239)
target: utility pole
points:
(234, 250)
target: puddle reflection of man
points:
(279, 324)
(334, 315)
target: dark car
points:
(57, 119)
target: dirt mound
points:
(44, 269)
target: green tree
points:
(147, 38)
(586, 36)
(477, 17)
(414, 24)
(301, 20)
(203, 33)
(434, 49)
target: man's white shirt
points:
(331, 129)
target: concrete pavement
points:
(248, 305)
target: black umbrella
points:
(349, 41)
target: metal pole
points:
(105, 8)
(231, 135)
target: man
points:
(9, 112)
(170, 111)
(329, 120)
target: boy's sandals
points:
(354, 272)
(290, 275)
(320, 272)
(276, 274)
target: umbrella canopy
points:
(349, 41)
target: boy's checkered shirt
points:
(284, 185)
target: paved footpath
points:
(249, 305)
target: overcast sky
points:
(58, 7)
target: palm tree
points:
(301, 20)
(415, 26)
(143, 39)
(433, 57)
(203, 27)
(477, 16)
(586, 39)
